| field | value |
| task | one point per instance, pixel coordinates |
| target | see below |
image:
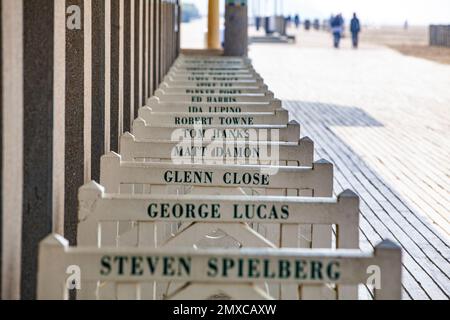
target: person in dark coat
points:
(337, 29)
(297, 21)
(355, 29)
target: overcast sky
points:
(421, 12)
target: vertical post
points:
(160, 28)
(51, 273)
(98, 87)
(155, 44)
(145, 60)
(107, 119)
(162, 37)
(121, 68)
(137, 56)
(348, 235)
(431, 35)
(1, 148)
(323, 175)
(133, 60)
(20, 39)
(213, 24)
(115, 74)
(87, 105)
(127, 65)
(151, 35)
(348, 232)
(37, 220)
(59, 125)
(178, 11)
(109, 179)
(174, 30)
(12, 152)
(140, 83)
(293, 131)
(389, 256)
(289, 239)
(236, 28)
(158, 42)
(88, 234)
(74, 114)
(170, 35)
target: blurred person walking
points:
(355, 29)
(337, 29)
(297, 21)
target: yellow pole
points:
(213, 24)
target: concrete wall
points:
(73, 74)
(236, 28)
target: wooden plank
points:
(318, 178)
(287, 133)
(325, 137)
(196, 266)
(226, 152)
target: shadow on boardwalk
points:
(335, 115)
(384, 212)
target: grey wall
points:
(236, 30)
(66, 97)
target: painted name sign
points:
(240, 212)
(214, 99)
(213, 61)
(231, 74)
(214, 109)
(214, 84)
(219, 133)
(213, 78)
(208, 121)
(207, 177)
(210, 68)
(228, 151)
(215, 268)
(212, 91)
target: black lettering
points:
(332, 273)
(300, 270)
(152, 210)
(212, 267)
(120, 264)
(184, 266)
(168, 266)
(152, 262)
(316, 270)
(284, 269)
(168, 177)
(136, 266)
(106, 265)
(227, 264)
(285, 212)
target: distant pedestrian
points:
(258, 23)
(287, 21)
(355, 29)
(316, 24)
(307, 24)
(337, 29)
(297, 20)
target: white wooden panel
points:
(349, 266)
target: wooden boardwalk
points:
(384, 120)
